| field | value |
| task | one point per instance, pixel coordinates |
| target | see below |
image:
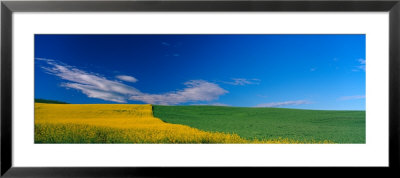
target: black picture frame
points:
(8, 7)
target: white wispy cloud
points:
(168, 44)
(173, 55)
(93, 92)
(127, 78)
(352, 97)
(243, 81)
(95, 86)
(172, 49)
(196, 90)
(283, 103)
(360, 66)
(165, 43)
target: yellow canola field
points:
(118, 123)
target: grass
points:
(270, 123)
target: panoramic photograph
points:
(199, 89)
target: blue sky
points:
(291, 71)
